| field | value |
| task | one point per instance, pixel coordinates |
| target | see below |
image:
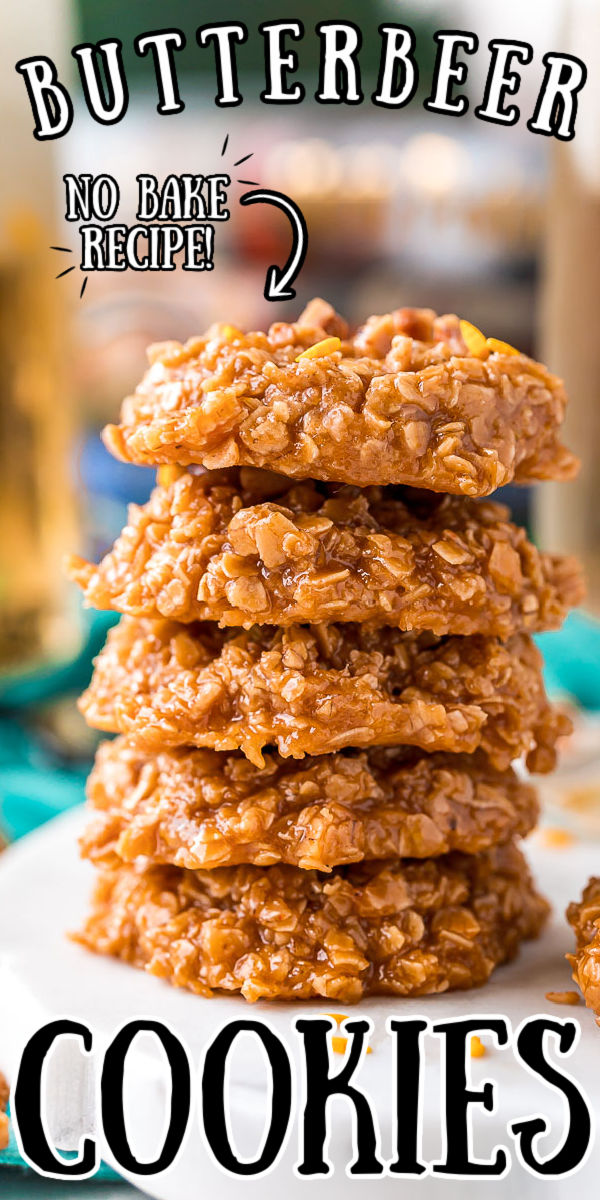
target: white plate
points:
(43, 893)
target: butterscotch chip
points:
(556, 839)
(585, 919)
(316, 689)
(401, 401)
(402, 928)
(476, 1047)
(201, 809)
(197, 552)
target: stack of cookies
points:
(324, 670)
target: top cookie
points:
(410, 398)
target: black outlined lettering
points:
(448, 71)
(111, 1091)
(537, 1042)
(50, 102)
(183, 198)
(530, 1049)
(502, 82)
(277, 64)
(321, 1086)
(458, 1096)
(93, 256)
(107, 103)
(173, 240)
(106, 94)
(398, 77)
(339, 70)
(224, 34)
(148, 206)
(217, 197)
(28, 1107)
(170, 207)
(556, 107)
(408, 1045)
(199, 248)
(105, 197)
(136, 259)
(214, 1112)
(79, 200)
(91, 196)
(163, 43)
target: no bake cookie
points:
(231, 554)
(316, 689)
(200, 809)
(585, 919)
(405, 928)
(403, 400)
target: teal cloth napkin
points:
(34, 784)
(11, 1158)
(572, 659)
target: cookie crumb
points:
(584, 917)
(167, 475)
(556, 838)
(339, 1044)
(563, 997)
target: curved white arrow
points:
(279, 279)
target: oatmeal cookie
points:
(222, 553)
(316, 689)
(200, 809)
(402, 400)
(585, 919)
(406, 928)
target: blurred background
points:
(497, 224)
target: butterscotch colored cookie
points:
(401, 928)
(585, 919)
(316, 689)
(201, 809)
(223, 553)
(409, 398)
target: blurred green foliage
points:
(112, 18)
